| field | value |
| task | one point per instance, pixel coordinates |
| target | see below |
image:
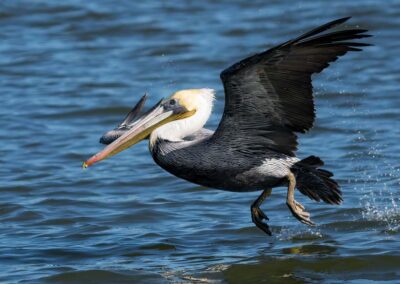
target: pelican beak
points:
(160, 114)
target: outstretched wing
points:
(268, 96)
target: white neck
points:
(177, 130)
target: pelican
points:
(268, 99)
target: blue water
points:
(71, 70)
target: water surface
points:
(70, 70)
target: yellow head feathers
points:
(199, 103)
(192, 99)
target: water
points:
(71, 70)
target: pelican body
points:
(204, 162)
(268, 99)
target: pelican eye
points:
(172, 102)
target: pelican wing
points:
(268, 96)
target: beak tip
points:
(84, 165)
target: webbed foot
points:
(257, 216)
(299, 212)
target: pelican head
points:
(171, 119)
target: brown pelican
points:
(268, 99)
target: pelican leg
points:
(257, 215)
(295, 207)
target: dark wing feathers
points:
(319, 29)
(268, 96)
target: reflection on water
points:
(70, 71)
(309, 250)
(323, 270)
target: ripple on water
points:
(304, 270)
(71, 71)
(105, 276)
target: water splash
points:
(299, 233)
(379, 206)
